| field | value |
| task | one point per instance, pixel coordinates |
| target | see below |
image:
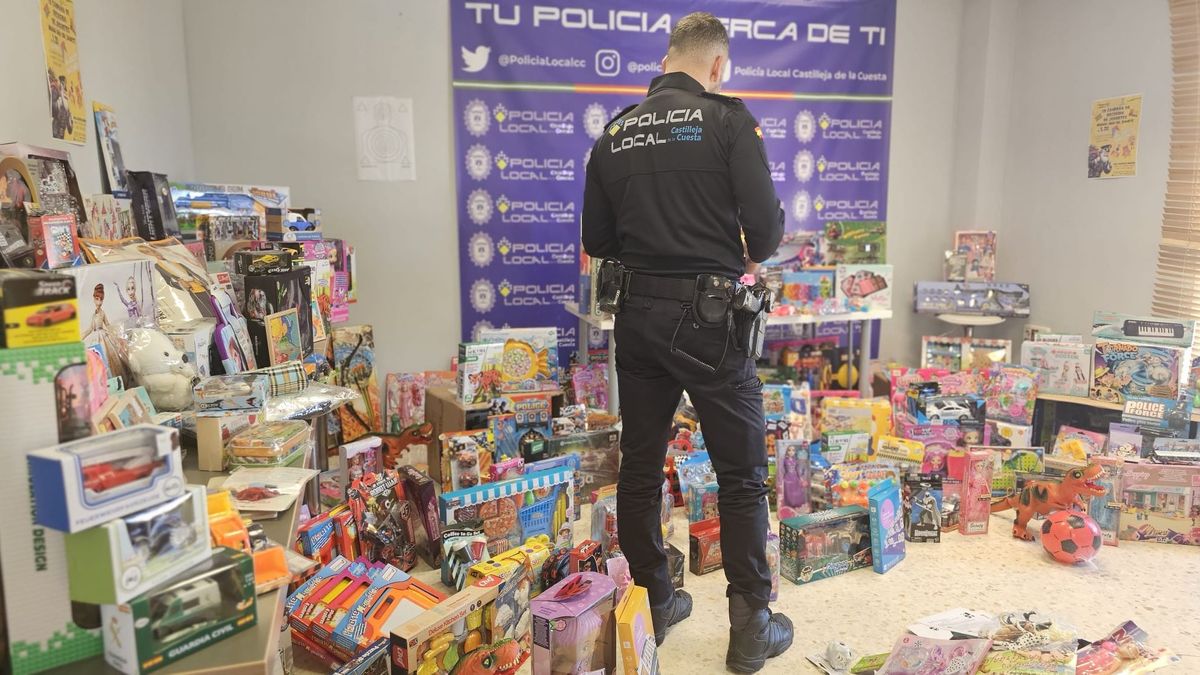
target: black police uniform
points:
(671, 187)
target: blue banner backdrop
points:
(536, 83)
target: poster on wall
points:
(67, 118)
(383, 129)
(1112, 145)
(110, 150)
(534, 89)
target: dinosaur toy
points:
(1044, 496)
(500, 658)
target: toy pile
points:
(969, 283)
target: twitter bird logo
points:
(477, 60)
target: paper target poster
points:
(383, 130)
(68, 121)
(1112, 145)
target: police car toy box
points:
(206, 604)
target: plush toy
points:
(161, 368)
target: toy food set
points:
(824, 544)
(916, 654)
(1172, 332)
(855, 241)
(1009, 434)
(220, 394)
(269, 444)
(85, 483)
(865, 288)
(466, 459)
(463, 545)
(846, 447)
(571, 462)
(886, 513)
(533, 414)
(1160, 502)
(811, 291)
(271, 261)
(203, 605)
(976, 493)
(573, 626)
(971, 297)
(793, 475)
(599, 455)
(528, 359)
(421, 492)
(386, 521)
(922, 507)
(123, 558)
(1010, 393)
(1123, 370)
(483, 628)
(635, 633)
(37, 308)
(1063, 368)
(847, 484)
(515, 510)
(478, 379)
(979, 250)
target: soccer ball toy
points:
(1071, 537)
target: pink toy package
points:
(913, 654)
(591, 386)
(903, 377)
(976, 501)
(1010, 393)
(941, 440)
(574, 630)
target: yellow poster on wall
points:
(1112, 147)
(68, 121)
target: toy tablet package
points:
(975, 502)
(1160, 500)
(887, 525)
(792, 478)
(824, 544)
(574, 630)
(865, 288)
(923, 507)
(635, 633)
(528, 359)
(979, 249)
(269, 443)
(1123, 370)
(1010, 393)
(515, 510)
(1063, 368)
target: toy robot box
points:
(1127, 369)
(820, 545)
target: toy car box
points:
(528, 357)
(635, 633)
(1122, 370)
(483, 628)
(515, 510)
(573, 626)
(704, 546)
(272, 261)
(887, 525)
(824, 544)
(37, 308)
(201, 606)
(221, 394)
(950, 409)
(88, 482)
(599, 456)
(123, 558)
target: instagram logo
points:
(608, 63)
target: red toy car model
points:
(106, 476)
(50, 315)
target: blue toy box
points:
(887, 525)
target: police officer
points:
(679, 191)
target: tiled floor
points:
(1156, 585)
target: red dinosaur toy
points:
(1043, 496)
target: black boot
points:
(755, 635)
(678, 609)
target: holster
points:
(751, 305)
(612, 286)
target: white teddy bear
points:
(160, 367)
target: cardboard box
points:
(86, 482)
(153, 209)
(599, 456)
(244, 393)
(37, 308)
(635, 633)
(1123, 370)
(887, 525)
(1172, 332)
(213, 432)
(447, 414)
(121, 559)
(574, 630)
(195, 340)
(204, 605)
(515, 510)
(528, 357)
(1063, 368)
(479, 372)
(865, 288)
(270, 261)
(676, 562)
(273, 293)
(1160, 503)
(704, 546)
(820, 545)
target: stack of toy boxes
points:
(1141, 356)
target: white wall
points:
(271, 84)
(131, 58)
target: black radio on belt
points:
(751, 306)
(712, 300)
(612, 286)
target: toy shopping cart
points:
(536, 519)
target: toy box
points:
(846, 447)
(483, 626)
(971, 297)
(848, 484)
(901, 378)
(1172, 332)
(1106, 509)
(84, 483)
(923, 507)
(887, 525)
(1063, 368)
(358, 458)
(943, 353)
(1010, 393)
(941, 440)
(195, 340)
(1077, 445)
(1009, 462)
(901, 451)
(676, 562)
(153, 210)
(478, 379)
(37, 308)
(855, 241)
(270, 261)
(273, 293)
(587, 557)
(946, 409)
(204, 605)
(220, 394)
(528, 357)
(702, 502)
(123, 558)
(421, 491)
(976, 495)
(515, 510)
(811, 291)
(462, 546)
(574, 630)
(1127, 369)
(839, 418)
(571, 462)
(213, 432)
(1124, 441)
(466, 459)
(1161, 503)
(599, 456)
(824, 544)
(533, 414)
(865, 288)
(792, 478)
(704, 546)
(1008, 434)
(403, 401)
(370, 661)
(879, 408)
(392, 600)
(269, 444)
(635, 633)
(387, 523)
(979, 250)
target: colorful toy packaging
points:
(635, 633)
(704, 543)
(1010, 393)
(403, 401)
(533, 554)
(1149, 330)
(515, 510)
(466, 459)
(846, 447)
(123, 558)
(979, 249)
(773, 563)
(923, 507)
(1008, 434)
(1126, 369)
(971, 297)
(702, 502)
(1063, 368)
(387, 522)
(847, 484)
(865, 288)
(975, 503)
(1077, 445)
(903, 452)
(463, 545)
(824, 544)
(944, 408)
(84, 483)
(533, 414)
(38, 309)
(855, 241)
(528, 358)
(887, 525)
(1009, 462)
(941, 441)
(916, 654)
(792, 478)
(573, 626)
(269, 444)
(811, 291)
(201, 606)
(1106, 509)
(478, 379)
(1163, 502)
(599, 455)
(220, 394)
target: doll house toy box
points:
(88, 482)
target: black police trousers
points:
(651, 380)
